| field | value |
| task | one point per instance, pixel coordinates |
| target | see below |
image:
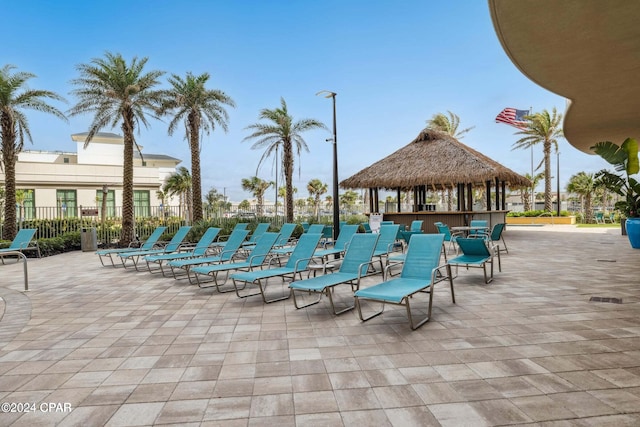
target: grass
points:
(616, 225)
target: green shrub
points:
(535, 213)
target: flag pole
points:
(533, 198)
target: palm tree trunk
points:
(548, 206)
(9, 160)
(287, 165)
(195, 169)
(127, 234)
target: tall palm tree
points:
(448, 124)
(257, 187)
(282, 129)
(117, 92)
(584, 185)
(15, 97)
(525, 195)
(180, 183)
(542, 128)
(316, 189)
(200, 109)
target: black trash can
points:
(88, 239)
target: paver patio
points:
(123, 348)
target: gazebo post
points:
(488, 187)
(498, 194)
(504, 198)
(398, 197)
(470, 196)
(371, 201)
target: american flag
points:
(513, 117)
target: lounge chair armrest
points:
(368, 263)
(256, 256)
(295, 268)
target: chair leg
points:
(359, 307)
(329, 291)
(427, 318)
(295, 301)
(453, 296)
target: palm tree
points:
(200, 109)
(15, 97)
(448, 124)
(117, 92)
(584, 185)
(257, 187)
(525, 195)
(542, 128)
(180, 183)
(316, 189)
(282, 129)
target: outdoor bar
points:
(436, 161)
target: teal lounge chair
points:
(478, 223)
(255, 258)
(356, 262)
(260, 229)
(222, 239)
(448, 236)
(297, 263)
(366, 227)
(284, 235)
(386, 243)
(231, 248)
(150, 243)
(284, 251)
(340, 245)
(22, 242)
(420, 272)
(200, 249)
(416, 225)
(173, 246)
(496, 235)
(475, 253)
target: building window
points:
(144, 163)
(141, 203)
(65, 160)
(66, 203)
(111, 202)
(27, 210)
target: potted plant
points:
(624, 159)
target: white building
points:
(56, 184)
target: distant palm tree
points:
(117, 92)
(584, 185)
(525, 192)
(257, 187)
(282, 129)
(542, 128)
(180, 183)
(15, 97)
(447, 124)
(316, 189)
(200, 109)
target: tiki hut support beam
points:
(470, 196)
(460, 191)
(399, 199)
(488, 187)
(504, 202)
(371, 210)
(498, 193)
(376, 200)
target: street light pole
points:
(558, 177)
(336, 205)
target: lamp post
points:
(336, 205)
(558, 177)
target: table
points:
(465, 229)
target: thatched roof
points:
(437, 160)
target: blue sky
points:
(393, 65)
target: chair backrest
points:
(327, 232)
(416, 225)
(346, 233)
(304, 250)
(177, 239)
(233, 244)
(496, 231)
(474, 247)
(262, 247)
(285, 233)
(366, 227)
(240, 226)
(444, 229)
(599, 215)
(305, 227)
(422, 256)
(23, 238)
(316, 229)
(153, 238)
(386, 222)
(359, 251)
(387, 237)
(477, 223)
(261, 228)
(207, 238)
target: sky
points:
(393, 65)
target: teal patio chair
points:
(260, 229)
(478, 223)
(356, 262)
(599, 217)
(416, 225)
(284, 235)
(222, 239)
(22, 242)
(386, 243)
(256, 258)
(173, 246)
(366, 227)
(286, 250)
(231, 248)
(448, 236)
(297, 263)
(150, 243)
(200, 249)
(475, 253)
(420, 273)
(496, 235)
(340, 245)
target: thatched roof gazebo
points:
(436, 161)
